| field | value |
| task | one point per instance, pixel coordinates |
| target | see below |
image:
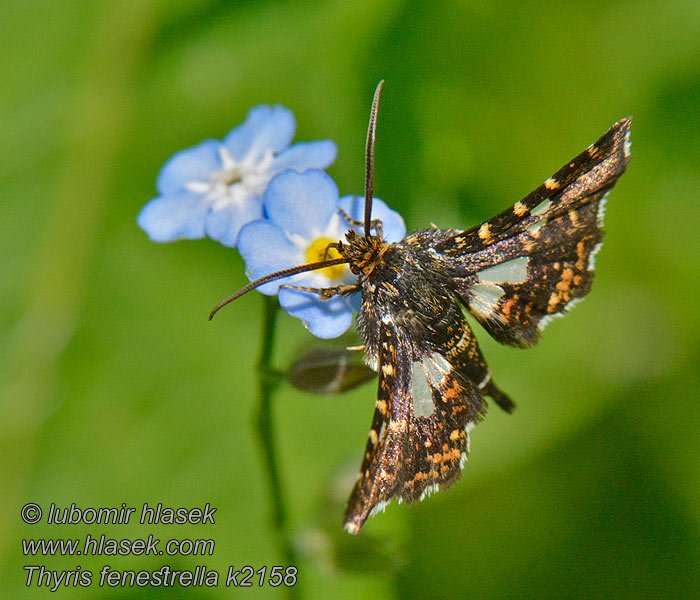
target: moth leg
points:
(324, 293)
(374, 223)
(377, 224)
(349, 220)
(333, 245)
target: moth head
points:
(362, 251)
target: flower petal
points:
(192, 164)
(265, 248)
(393, 227)
(174, 216)
(324, 319)
(265, 128)
(225, 223)
(305, 155)
(354, 300)
(302, 203)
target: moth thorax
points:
(363, 252)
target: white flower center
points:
(236, 181)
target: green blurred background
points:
(114, 388)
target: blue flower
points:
(303, 219)
(215, 188)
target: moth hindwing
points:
(514, 273)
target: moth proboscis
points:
(513, 273)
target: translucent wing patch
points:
(560, 268)
(419, 438)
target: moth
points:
(513, 273)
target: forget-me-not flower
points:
(215, 188)
(303, 218)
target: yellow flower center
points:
(317, 251)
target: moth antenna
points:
(369, 158)
(277, 275)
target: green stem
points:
(267, 384)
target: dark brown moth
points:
(513, 273)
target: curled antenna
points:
(277, 275)
(369, 158)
